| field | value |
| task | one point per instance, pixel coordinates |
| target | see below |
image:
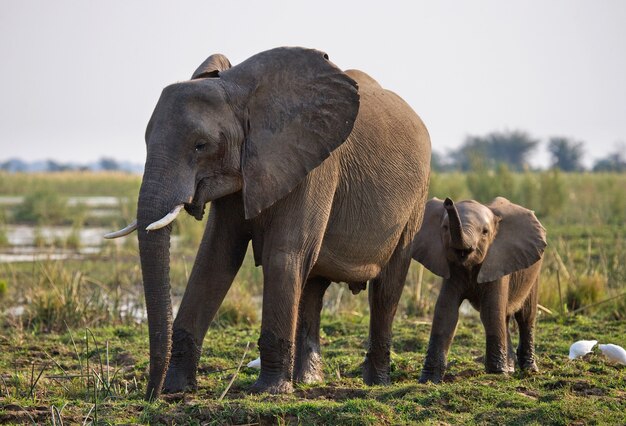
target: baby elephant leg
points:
(493, 317)
(511, 357)
(525, 318)
(442, 332)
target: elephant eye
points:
(201, 146)
(485, 231)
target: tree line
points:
(103, 164)
(513, 149)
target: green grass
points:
(588, 390)
(73, 183)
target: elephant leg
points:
(219, 257)
(442, 332)
(525, 318)
(511, 358)
(282, 288)
(384, 295)
(308, 357)
(292, 239)
(493, 316)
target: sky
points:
(79, 80)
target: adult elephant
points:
(323, 170)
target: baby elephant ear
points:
(428, 248)
(299, 107)
(212, 66)
(519, 242)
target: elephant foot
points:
(527, 361)
(177, 381)
(308, 368)
(497, 358)
(511, 361)
(433, 370)
(499, 365)
(181, 374)
(274, 387)
(529, 366)
(430, 377)
(504, 370)
(277, 357)
(376, 370)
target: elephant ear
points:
(428, 248)
(212, 66)
(299, 108)
(519, 242)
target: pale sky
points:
(79, 79)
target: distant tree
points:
(54, 166)
(512, 148)
(471, 155)
(566, 154)
(442, 162)
(614, 162)
(108, 164)
(436, 161)
(509, 148)
(14, 165)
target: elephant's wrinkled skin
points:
(490, 255)
(323, 170)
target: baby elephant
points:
(491, 255)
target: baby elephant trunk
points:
(456, 228)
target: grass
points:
(106, 368)
(54, 371)
(73, 183)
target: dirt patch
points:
(125, 359)
(13, 413)
(587, 389)
(557, 384)
(464, 374)
(533, 394)
(330, 392)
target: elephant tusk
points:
(166, 220)
(122, 232)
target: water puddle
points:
(23, 246)
(24, 235)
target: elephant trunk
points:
(154, 251)
(456, 228)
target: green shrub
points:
(73, 239)
(587, 290)
(43, 208)
(485, 185)
(528, 191)
(552, 196)
(451, 185)
(238, 308)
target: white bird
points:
(255, 363)
(614, 353)
(580, 348)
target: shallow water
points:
(24, 235)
